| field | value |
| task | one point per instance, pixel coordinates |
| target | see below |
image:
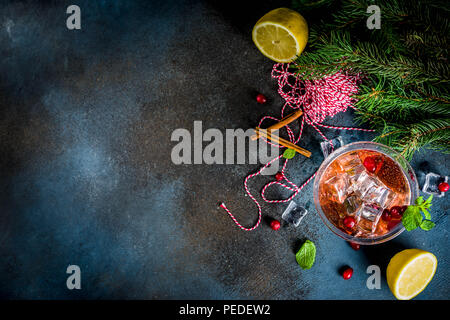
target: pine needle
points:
(405, 92)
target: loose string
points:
(318, 100)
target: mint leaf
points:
(427, 203)
(306, 255)
(412, 218)
(419, 201)
(426, 214)
(427, 225)
(429, 199)
(288, 154)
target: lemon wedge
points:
(409, 272)
(281, 34)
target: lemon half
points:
(281, 34)
(409, 272)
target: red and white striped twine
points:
(318, 99)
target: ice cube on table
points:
(368, 217)
(432, 181)
(352, 204)
(338, 187)
(294, 213)
(328, 148)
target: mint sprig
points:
(306, 255)
(412, 217)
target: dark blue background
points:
(86, 176)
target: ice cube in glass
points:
(432, 181)
(378, 194)
(365, 186)
(294, 213)
(352, 204)
(368, 217)
(383, 196)
(351, 164)
(328, 147)
(338, 187)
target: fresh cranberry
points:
(370, 164)
(275, 224)
(279, 176)
(386, 215)
(395, 212)
(355, 246)
(379, 165)
(260, 98)
(349, 222)
(392, 224)
(347, 274)
(443, 187)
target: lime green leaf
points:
(429, 199)
(288, 154)
(426, 214)
(412, 218)
(427, 203)
(427, 225)
(419, 201)
(306, 255)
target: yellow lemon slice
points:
(281, 34)
(409, 272)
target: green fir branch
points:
(405, 93)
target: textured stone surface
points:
(86, 177)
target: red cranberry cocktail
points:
(362, 190)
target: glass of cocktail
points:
(358, 185)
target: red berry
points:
(349, 222)
(392, 224)
(395, 212)
(386, 215)
(279, 176)
(347, 274)
(443, 187)
(370, 164)
(355, 246)
(260, 98)
(379, 165)
(403, 209)
(275, 224)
